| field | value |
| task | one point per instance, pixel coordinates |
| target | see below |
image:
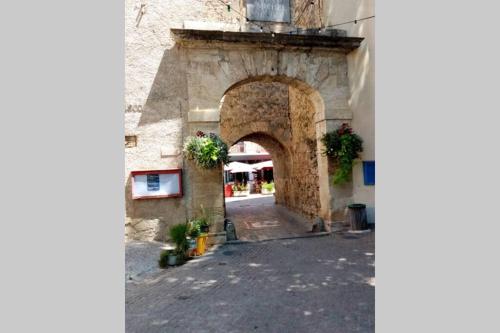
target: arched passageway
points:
(258, 212)
(280, 117)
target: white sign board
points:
(156, 185)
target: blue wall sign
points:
(369, 172)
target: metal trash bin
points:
(357, 216)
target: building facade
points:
(269, 72)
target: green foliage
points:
(208, 151)
(343, 146)
(240, 187)
(163, 262)
(205, 218)
(178, 233)
(268, 186)
(194, 228)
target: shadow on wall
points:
(159, 125)
(167, 98)
(359, 72)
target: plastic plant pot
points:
(201, 243)
(172, 259)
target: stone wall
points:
(361, 75)
(156, 95)
(305, 188)
(307, 15)
(256, 107)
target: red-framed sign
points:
(154, 184)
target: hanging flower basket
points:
(208, 151)
(343, 146)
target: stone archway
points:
(314, 75)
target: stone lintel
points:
(343, 114)
(268, 39)
(337, 114)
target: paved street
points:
(141, 258)
(320, 284)
(256, 217)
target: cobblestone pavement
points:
(141, 258)
(321, 284)
(257, 218)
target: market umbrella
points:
(261, 165)
(235, 167)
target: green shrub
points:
(194, 228)
(178, 233)
(208, 151)
(268, 186)
(206, 217)
(343, 146)
(240, 187)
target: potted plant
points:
(197, 235)
(205, 220)
(204, 226)
(236, 191)
(164, 256)
(201, 243)
(178, 233)
(267, 188)
(193, 233)
(246, 190)
(208, 151)
(194, 229)
(343, 146)
(240, 190)
(172, 257)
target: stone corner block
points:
(204, 116)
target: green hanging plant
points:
(343, 146)
(208, 151)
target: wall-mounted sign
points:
(156, 184)
(153, 181)
(268, 10)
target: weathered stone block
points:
(209, 115)
(230, 231)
